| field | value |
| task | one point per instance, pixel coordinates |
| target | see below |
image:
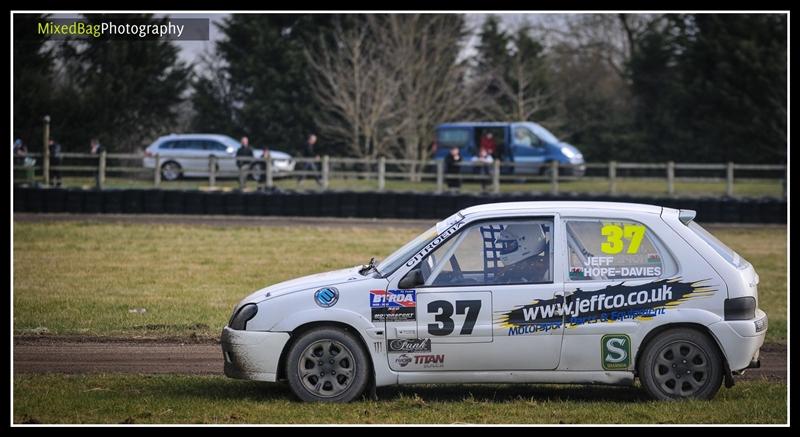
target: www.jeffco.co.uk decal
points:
(615, 302)
(410, 345)
(393, 305)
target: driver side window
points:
(490, 253)
(524, 137)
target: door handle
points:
(406, 332)
(562, 293)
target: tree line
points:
(628, 87)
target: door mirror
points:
(411, 280)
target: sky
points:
(191, 51)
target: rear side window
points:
(213, 145)
(188, 145)
(614, 249)
(723, 250)
(453, 137)
(166, 145)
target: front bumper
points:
(741, 340)
(252, 354)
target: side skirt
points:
(543, 377)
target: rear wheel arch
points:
(655, 332)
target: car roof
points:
(218, 137)
(558, 206)
(482, 123)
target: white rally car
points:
(529, 292)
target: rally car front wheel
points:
(327, 365)
(681, 363)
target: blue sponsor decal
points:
(393, 305)
(326, 297)
(393, 298)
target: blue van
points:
(525, 143)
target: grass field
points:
(82, 278)
(643, 186)
(212, 399)
(87, 278)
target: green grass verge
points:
(85, 278)
(215, 399)
(80, 278)
(635, 186)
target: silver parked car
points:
(187, 155)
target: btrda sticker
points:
(616, 351)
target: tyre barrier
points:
(154, 201)
(133, 201)
(402, 205)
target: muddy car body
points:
(529, 292)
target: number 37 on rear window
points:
(615, 234)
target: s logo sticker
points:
(616, 351)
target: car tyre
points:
(171, 171)
(681, 364)
(327, 365)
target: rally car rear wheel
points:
(681, 363)
(327, 365)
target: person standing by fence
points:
(97, 149)
(452, 167)
(309, 151)
(245, 151)
(56, 160)
(483, 163)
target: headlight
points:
(240, 318)
(568, 152)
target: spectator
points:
(452, 166)
(20, 150)
(262, 176)
(96, 149)
(309, 151)
(56, 159)
(484, 161)
(21, 159)
(245, 151)
(488, 143)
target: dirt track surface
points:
(197, 357)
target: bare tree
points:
(355, 88)
(611, 37)
(423, 53)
